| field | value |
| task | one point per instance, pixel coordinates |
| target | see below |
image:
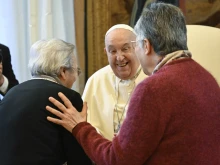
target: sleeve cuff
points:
(76, 129)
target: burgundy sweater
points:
(173, 119)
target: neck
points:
(46, 77)
(170, 57)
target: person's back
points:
(186, 130)
(26, 137)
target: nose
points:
(120, 56)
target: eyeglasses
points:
(79, 71)
(135, 42)
(72, 69)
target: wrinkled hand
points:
(1, 75)
(69, 116)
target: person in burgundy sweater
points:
(174, 115)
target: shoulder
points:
(69, 93)
(73, 96)
(49, 88)
(152, 84)
(168, 77)
(53, 89)
(3, 47)
(102, 74)
(103, 71)
(5, 51)
(102, 79)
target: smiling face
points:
(121, 53)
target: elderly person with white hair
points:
(26, 136)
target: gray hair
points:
(164, 26)
(48, 56)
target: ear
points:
(105, 51)
(62, 75)
(148, 47)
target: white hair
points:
(48, 56)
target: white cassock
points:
(106, 94)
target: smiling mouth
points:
(122, 65)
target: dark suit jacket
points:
(26, 137)
(7, 67)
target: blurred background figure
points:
(7, 76)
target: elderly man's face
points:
(69, 75)
(121, 53)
